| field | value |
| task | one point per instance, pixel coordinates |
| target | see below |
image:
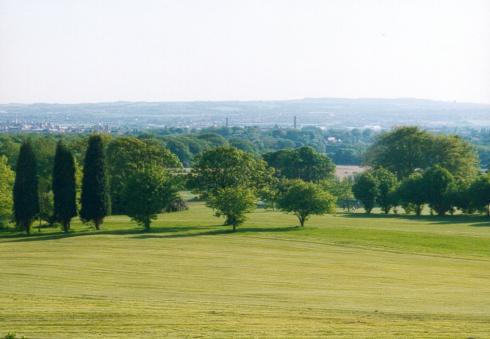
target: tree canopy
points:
(7, 178)
(228, 167)
(233, 204)
(406, 149)
(305, 199)
(301, 163)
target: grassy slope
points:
(344, 275)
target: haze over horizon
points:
(90, 51)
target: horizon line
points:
(240, 100)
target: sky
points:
(174, 50)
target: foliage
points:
(7, 178)
(95, 189)
(412, 193)
(438, 182)
(46, 207)
(406, 149)
(365, 189)
(126, 155)
(386, 187)
(176, 205)
(480, 193)
(148, 192)
(302, 163)
(228, 167)
(233, 204)
(26, 196)
(341, 189)
(64, 186)
(305, 199)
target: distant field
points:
(344, 171)
(343, 275)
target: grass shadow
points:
(219, 232)
(472, 220)
(21, 237)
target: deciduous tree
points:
(305, 199)
(232, 203)
(365, 189)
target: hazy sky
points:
(107, 50)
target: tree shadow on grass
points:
(472, 220)
(154, 232)
(225, 230)
(21, 237)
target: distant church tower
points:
(295, 122)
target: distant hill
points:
(328, 112)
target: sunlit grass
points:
(346, 275)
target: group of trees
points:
(231, 181)
(26, 202)
(140, 177)
(412, 168)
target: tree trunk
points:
(234, 227)
(27, 227)
(301, 220)
(66, 226)
(488, 210)
(97, 224)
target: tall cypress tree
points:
(64, 186)
(95, 190)
(26, 196)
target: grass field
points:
(343, 275)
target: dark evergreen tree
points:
(64, 186)
(26, 196)
(95, 191)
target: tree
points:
(232, 203)
(26, 196)
(46, 207)
(480, 193)
(341, 189)
(406, 149)
(301, 163)
(438, 182)
(387, 184)
(125, 155)
(228, 167)
(365, 189)
(305, 199)
(148, 192)
(7, 177)
(456, 155)
(95, 190)
(400, 151)
(412, 193)
(64, 186)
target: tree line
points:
(412, 169)
(409, 168)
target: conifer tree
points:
(64, 186)
(26, 196)
(95, 191)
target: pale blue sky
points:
(105, 50)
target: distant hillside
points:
(332, 112)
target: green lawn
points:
(345, 275)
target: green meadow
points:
(346, 275)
